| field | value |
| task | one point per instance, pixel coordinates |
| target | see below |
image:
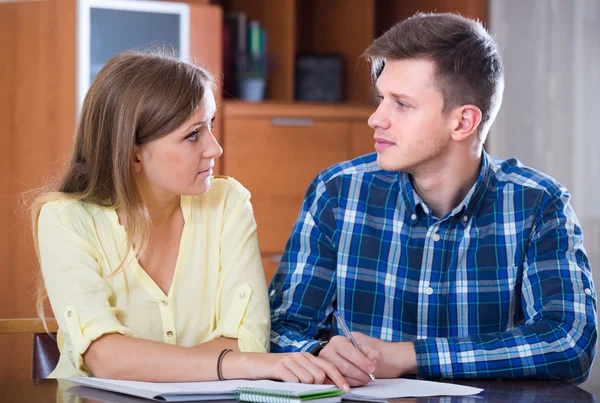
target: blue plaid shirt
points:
(500, 287)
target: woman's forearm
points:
(116, 356)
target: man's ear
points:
(465, 121)
(137, 159)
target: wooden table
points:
(495, 391)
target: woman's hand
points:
(287, 367)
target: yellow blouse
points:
(218, 287)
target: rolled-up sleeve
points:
(243, 306)
(78, 293)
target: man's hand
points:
(353, 364)
(397, 358)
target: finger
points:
(332, 373)
(347, 368)
(303, 375)
(353, 382)
(371, 353)
(357, 358)
(286, 375)
(317, 372)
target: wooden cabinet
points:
(361, 138)
(277, 153)
(276, 159)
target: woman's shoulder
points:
(68, 212)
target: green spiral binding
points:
(256, 395)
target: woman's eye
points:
(193, 136)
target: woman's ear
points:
(467, 120)
(137, 159)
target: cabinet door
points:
(276, 160)
(361, 139)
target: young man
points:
(443, 261)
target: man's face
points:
(410, 129)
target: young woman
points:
(150, 263)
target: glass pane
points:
(114, 31)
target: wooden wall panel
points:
(37, 115)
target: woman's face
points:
(180, 163)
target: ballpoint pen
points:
(347, 333)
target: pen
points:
(349, 335)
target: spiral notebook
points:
(242, 390)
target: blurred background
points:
(293, 97)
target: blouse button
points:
(170, 333)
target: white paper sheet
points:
(385, 389)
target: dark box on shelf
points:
(318, 77)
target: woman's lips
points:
(207, 172)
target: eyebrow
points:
(397, 96)
(196, 124)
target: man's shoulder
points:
(522, 177)
(356, 169)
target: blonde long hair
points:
(134, 99)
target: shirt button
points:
(165, 302)
(465, 218)
(69, 314)
(588, 291)
(413, 217)
(169, 334)
(429, 291)
(436, 237)
(242, 295)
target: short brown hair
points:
(469, 69)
